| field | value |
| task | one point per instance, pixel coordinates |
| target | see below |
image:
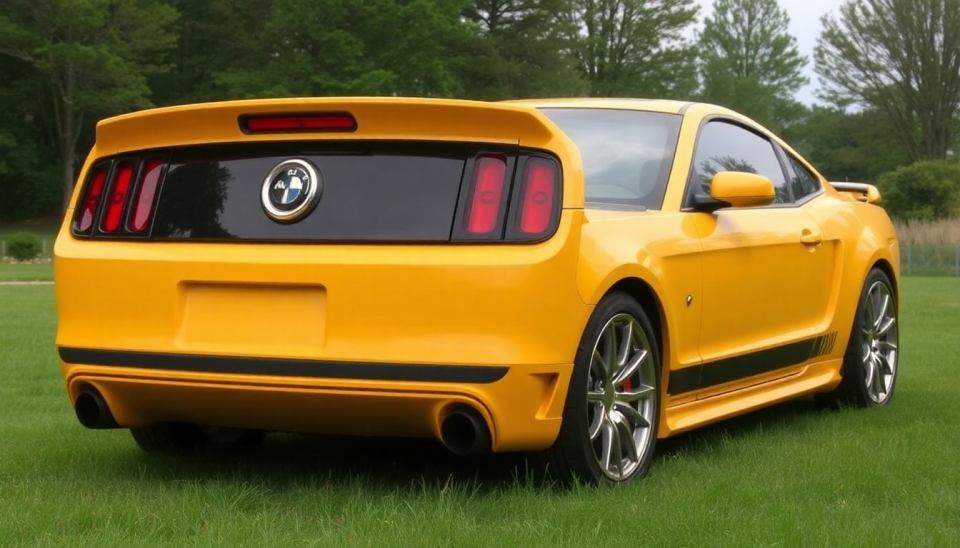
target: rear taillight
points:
(145, 193)
(538, 201)
(118, 197)
(107, 195)
(91, 201)
(486, 197)
(293, 123)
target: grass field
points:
(26, 272)
(790, 476)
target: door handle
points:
(808, 237)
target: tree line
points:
(888, 70)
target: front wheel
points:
(612, 411)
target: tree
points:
(750, 63)
(93, 57)
(849, 146)
(350, 47)
(901, 57)
(924, 191)
(519, 51)
(633, 47)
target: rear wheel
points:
(168, 437)
(178, 437)
(610, 418)
(870, 363)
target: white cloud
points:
(804, 25)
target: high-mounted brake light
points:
(292, 123)
(118, 197)
(484, 208)
(146, 191)
(539, 196)
(91, 201)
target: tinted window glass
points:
(727, 147)
(627, 155)
(804, 183)
(370, 192)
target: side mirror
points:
(736, 189)
(861, 192)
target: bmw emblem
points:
(290, 191)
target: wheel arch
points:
(887, 268)
(642, 292)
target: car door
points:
(766, 273)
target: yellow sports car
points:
(574, 278)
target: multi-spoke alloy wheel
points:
(610, 419)
(620, 397)
(870, 363)
(879, 342)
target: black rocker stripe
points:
(470, 374)
(710, 374)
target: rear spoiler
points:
(861, 192)
(391, 118)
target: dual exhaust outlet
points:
(463, 431)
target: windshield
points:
(627, 154)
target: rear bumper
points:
(522, 405)
(351, 339)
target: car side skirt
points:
(814, 378)
(719, 372)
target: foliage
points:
(848, 146)
(633, 48)
(901, 57)
(349, 47)
(23, 246)
(749, 62)
(520, 48)
(92, 56)
(65, 64)
(928, 190)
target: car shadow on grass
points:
(286, 461)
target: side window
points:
(804, 183)
(727, 147)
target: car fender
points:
(662, 251)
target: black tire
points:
(178, 437)
(861, 386)
(234, 438)
(574, 456)
(169, 437)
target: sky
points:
(805, 27)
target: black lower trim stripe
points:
(470, 374)
(727, 370)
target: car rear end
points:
(364, 266)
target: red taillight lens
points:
(484, 210)
(539, 196)
(88, 209)
(118, 197)
(295, 123)
(146, 191)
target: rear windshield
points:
(627, 154)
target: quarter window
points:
(727, 147)
(803, 183)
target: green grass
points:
(26, 272)
(790, 476)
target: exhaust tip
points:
(93, 412)
(464, 432)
